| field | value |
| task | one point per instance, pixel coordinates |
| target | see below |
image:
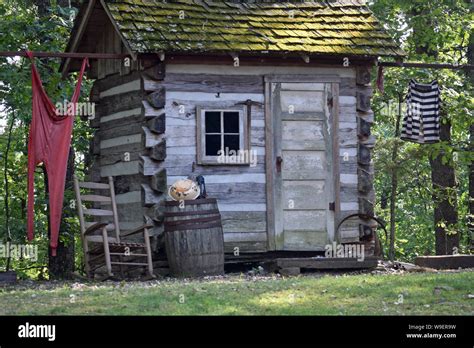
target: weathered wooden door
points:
(303, 141)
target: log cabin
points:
(288, 83)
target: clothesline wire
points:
(66, 55)
(425, 65)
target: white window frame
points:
(244, 132)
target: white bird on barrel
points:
(189, 189)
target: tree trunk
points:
(445, 199)
(62, 265)
(394, 188)
(471, 190)
(470, 73)
(43, 6)
(8, 238)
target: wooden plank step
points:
(327, 263)
(7, 278)
(268, 256)
(445, 261)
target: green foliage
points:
(363, 294)
(443, 27)
(20, 29)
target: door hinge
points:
(279, 161)
(332, 206)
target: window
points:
(220, 132)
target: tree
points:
(434, 31)
(443, 176)
(24, 28)
(470, 74)
(60, 266)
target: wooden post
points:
(108, 262)
(148, 248)
(114, 208)
(365, 146)
(80, 213)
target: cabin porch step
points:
(445, 261)
(290, 266)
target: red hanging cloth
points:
(49, 142)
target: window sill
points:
(216, 164)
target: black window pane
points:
(213, 145)
(213, 122)
(232, 142)
(231, 122)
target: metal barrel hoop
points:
(366, 217)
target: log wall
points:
(365, 170)
(129, 140)
(240, 190)
(146, 138)
(348, 232)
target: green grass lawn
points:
(363, 294)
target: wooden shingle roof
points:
(345, 27)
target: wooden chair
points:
(99, 247)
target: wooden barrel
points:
(194, 239)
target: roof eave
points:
(79, 28)
(77, 32)
(132, 53)
(313, 57)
